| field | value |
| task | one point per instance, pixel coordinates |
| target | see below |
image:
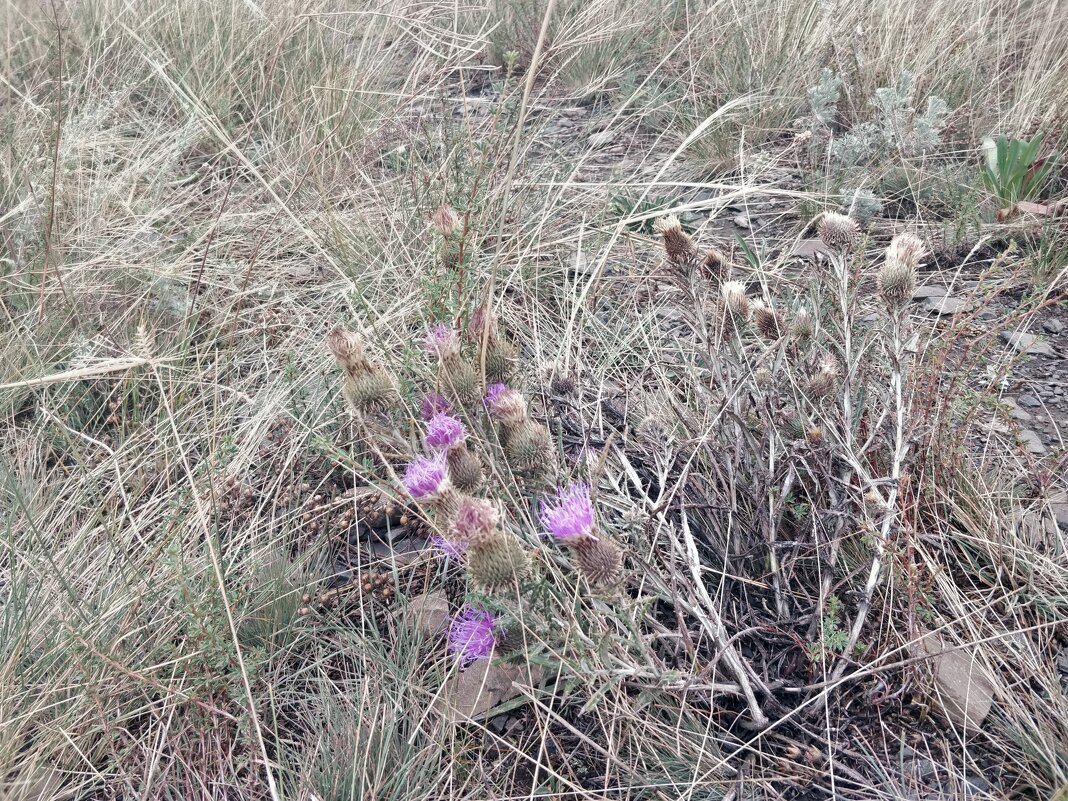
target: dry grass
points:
(192, 195)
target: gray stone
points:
(742, 221)
(429, 612)
(946, 306)
(1058, 505)
(1015, 412)
(929, 291)
(1026, 343)
(1030, 401)
(1054, 325)
(1030, 440)
(959, 688)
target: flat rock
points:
(809, 248)
(929, 291)
(1058, 505)
(1054, 325)
(946, 307)
(1015, 412)
(428, 612)
(742, 221)
(477, 689)
(959, 689)
(1030, 440)
(1026, 343)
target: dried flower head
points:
(600, 561)
(766, 320)
(471, 635)
(822, 382)
(716, 267)
(451, 549)
(762, 377)
(735, 304)
(443, 342)
(838, 231)
(445, 220)
(678, 245)
(427, 477)
(506, 405)
(444, 431)
(897, 277)
(483, 323)
(475, 520)
(434, 403)
(347, 349)
(802, 327)
(568, 515)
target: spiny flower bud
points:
(734, 305)
(716, 267)
(483, 323)
(599, 560)
(445, 220)
(475, 521)
(803, 327)
(838, 231)
(762, 377)
(766, 320)
(497, 563)
(501, 359)
(370, 391)
(505, 405)
(678, 245)
(897, 278)
(814, 435)
(528, 446)
(465, 468)
(822, 383)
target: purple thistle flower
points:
(434, 403)
(442, 341)
(471, 635)
(451, 549)
(569, 515)
(443, 432)
(426, 475)
(493, 394)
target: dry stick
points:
(901, 447)
(713, 623)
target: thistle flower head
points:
(716, 267)
(483, 322)
(471, 635)
(347, 349)
(821, 384)
(427, 476)
(897, 277)
(474, 520)
(838, 231)
(678, 245)
(451, 549)
(443, 431)
(568, 515)
(802, 327)
(506, 405)
(445, 220)
(443, 342)
(434, 403)
(735, 302)
(766, 320)
(600, 561)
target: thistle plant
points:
(568, 516)
(367, 386)
(472, 635)
(527, 444)
(446, 433)
(492, 348)
(456, 377)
